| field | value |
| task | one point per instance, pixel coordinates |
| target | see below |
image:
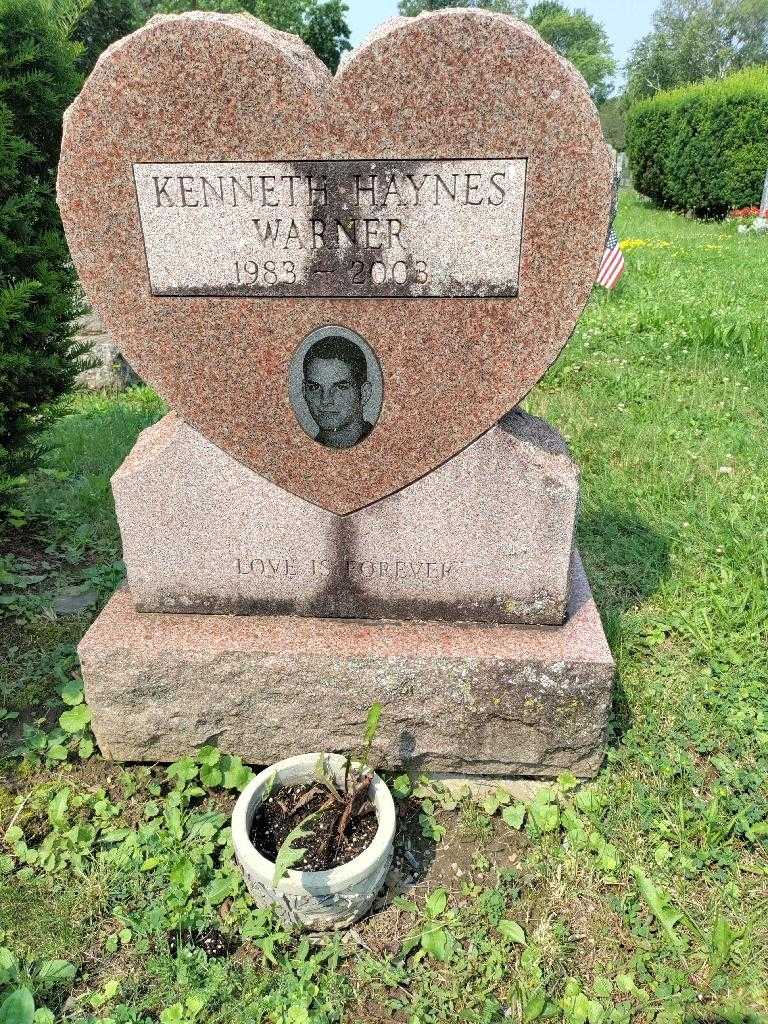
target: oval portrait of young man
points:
(336, 387)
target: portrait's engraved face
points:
(337, 388)
(336, 397)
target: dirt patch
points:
(460, 854)
(337, 830)
(383, 933)
(421, 865)
(370, 1012)
(25, 545)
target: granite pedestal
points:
(280, 658)
(461, 698)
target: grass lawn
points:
(642, 896)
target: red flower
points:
(746, 211)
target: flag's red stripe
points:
(611, 267)
(613, 280)
(610, 261)
(618, 269)
(613, 274)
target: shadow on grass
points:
(626, 561)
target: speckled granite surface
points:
(462, 84)
(471, 699)
(485, 537)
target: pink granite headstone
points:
(341, 285)
(440, 204)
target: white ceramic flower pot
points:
(315, 899)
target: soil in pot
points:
(339, 831)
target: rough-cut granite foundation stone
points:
(468, 84)
(486, 537)
(458, 698)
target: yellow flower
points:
(632, 243)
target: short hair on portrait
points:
(338, 347)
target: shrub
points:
(102, 22)
(703, 147)
(38, 300)
(613, 118)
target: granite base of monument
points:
(459, 698)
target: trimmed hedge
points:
(703, 147)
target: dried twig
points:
(302, 803)
(358, 791)
(307, 798)
(19, 809)
(329, 803)
(366, 810)
(325, 850)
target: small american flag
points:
(612, 266)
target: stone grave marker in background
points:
(106, 370)
(762, 221)
(342, 286)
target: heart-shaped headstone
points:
(442, 202)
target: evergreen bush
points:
(38, 297)
(103, 22)
(703, 147)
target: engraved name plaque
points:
(333, 228)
